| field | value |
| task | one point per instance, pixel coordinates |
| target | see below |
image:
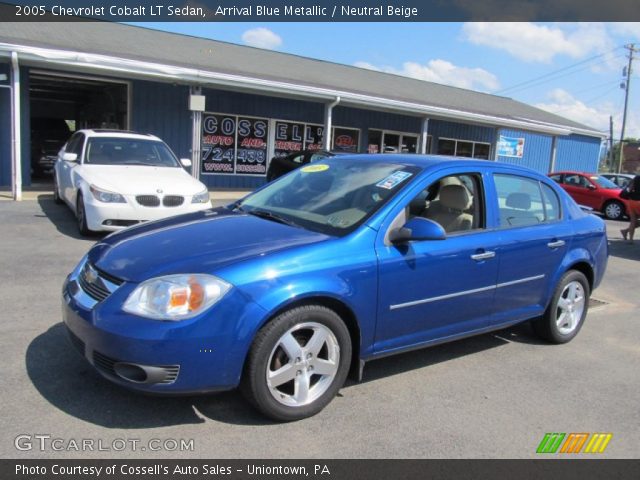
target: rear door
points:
(533, 242)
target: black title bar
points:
(321, 11)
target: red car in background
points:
(593, 190)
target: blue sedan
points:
(288, 291)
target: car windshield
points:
(333, 196)
(603, 182)
(129, 151)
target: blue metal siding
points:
(5, 130)
(578, 152)
(461, 131)
(162, 110)
(537, 150)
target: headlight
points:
(175, 297)
(106, 197)
(202, 197)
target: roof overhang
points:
(111, 65)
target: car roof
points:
(574, 172)
(113, 133)
(428, 162)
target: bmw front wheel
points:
(297, 363)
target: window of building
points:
(346, 139)
(463, 148)
(385, 141)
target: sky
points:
(571, 69)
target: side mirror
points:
(186, 162)
(417, 228)
(70, 157)
(591, 187)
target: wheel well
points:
(343, 311)
(586, 270)
(615, 200)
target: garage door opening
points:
(60, 104)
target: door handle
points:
(478, 257)
(556, 244)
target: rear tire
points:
(567, 311)
(613, 210)
(297, 363)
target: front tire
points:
(56, 190)
(613, 210)
(565, 315)
(297, 363)
(81, 215)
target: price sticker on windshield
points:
(315, 168)
(393, 180)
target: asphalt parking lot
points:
(492, 396)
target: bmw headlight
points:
(176, 297)
(105, 196)
(202, 197)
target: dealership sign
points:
(233, 144)
(510, 147)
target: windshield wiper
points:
(266, 214)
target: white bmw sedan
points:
(112, 179)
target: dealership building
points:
(231, 108)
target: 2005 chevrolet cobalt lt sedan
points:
(342, 261)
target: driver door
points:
(434, 289)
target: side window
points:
(556, 178)
(456, 202)
(519, 200)
(551, 203)
(317, 156)
(75, 144)
(576, 181)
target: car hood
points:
(200, 242)
(140, 180)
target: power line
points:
(554, 73)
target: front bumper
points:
(202, 354)
(116, 216)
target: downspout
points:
(16, 144)
(424, 136)
(328, 121)
(196, 137)
(554, 154)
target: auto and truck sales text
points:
(265, 11)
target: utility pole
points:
(632, 49)
(611, 168)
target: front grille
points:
(76, 342)
(96, 283)
(148, 200)
(104, 363)
(172, 201)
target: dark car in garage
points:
(48, 135)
